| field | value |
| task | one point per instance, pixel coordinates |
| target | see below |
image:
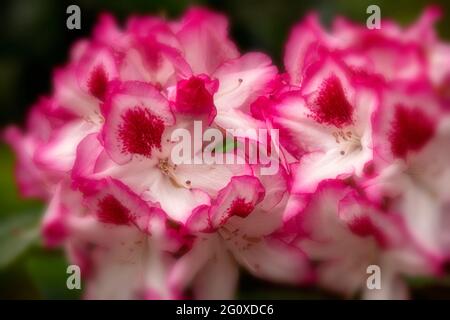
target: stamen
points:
(352, 141)
(226, 234)
(251, 239)
(240, 81)
(336, 136)
(169, 171)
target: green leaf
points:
(48, 271)
(17, 233)
(11, 202)
(227, 145)
(424, 281)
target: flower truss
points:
(363, 142)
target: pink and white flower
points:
(411, 166)
(120, 242)
(363, 154)
(238, 228)
(344, 234)
(325, 124)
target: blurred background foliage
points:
(34, 39)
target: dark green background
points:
(34, 39)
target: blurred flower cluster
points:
(363, 123)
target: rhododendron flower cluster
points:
(363, 141)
